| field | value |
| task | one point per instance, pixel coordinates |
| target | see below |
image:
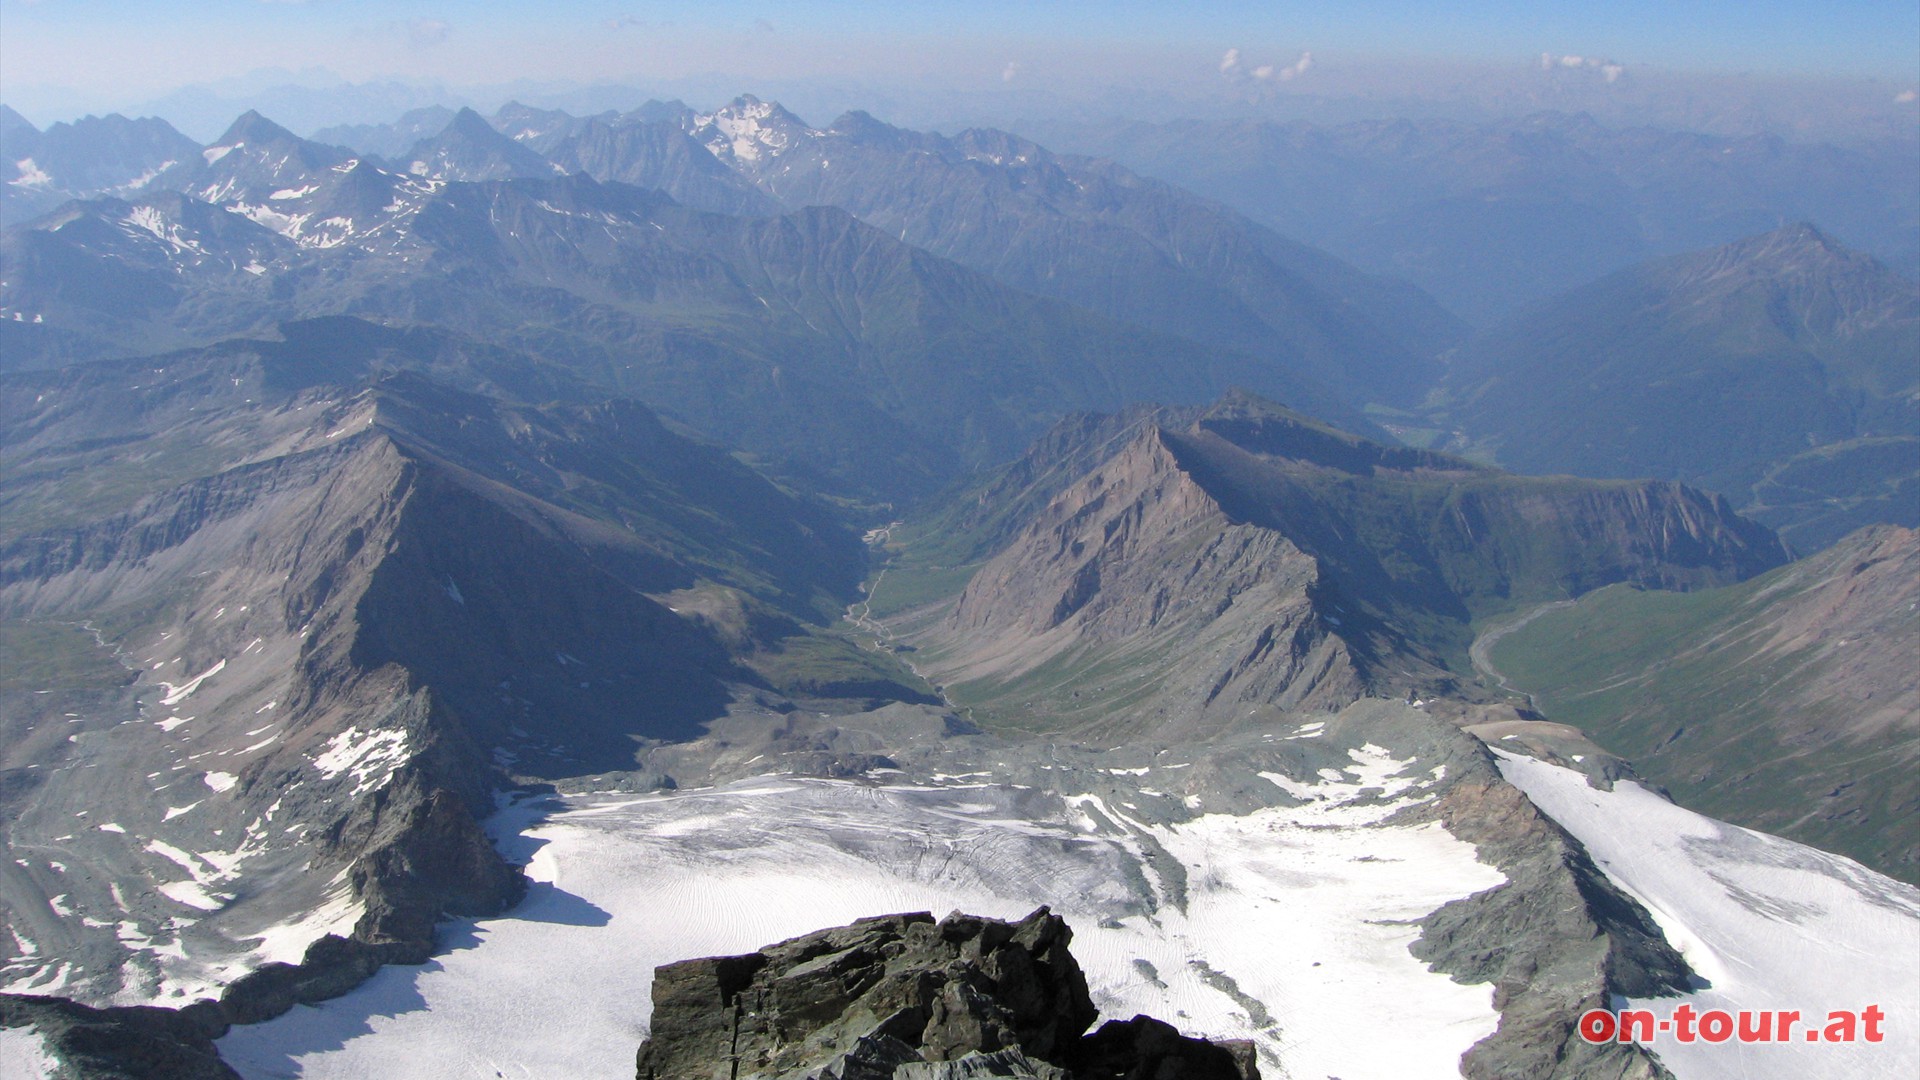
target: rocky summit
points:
(905, 997)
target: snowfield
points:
(23, 1054)
(1294, 930)
(1769, 923)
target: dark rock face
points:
(902, 997)
(125, 1042)
(1556, 939)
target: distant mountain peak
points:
(672, 111)
(468, 122)
(525, 124)
(862, 127)
(11, 122)
(999, 147)
(255, 128)
(1820, 285)
(1790, 244)
(471, 148)
(748, 130)
(859, 122)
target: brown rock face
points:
(903, 996)
(1139, 564)
(1254, 559)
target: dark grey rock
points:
(904, 997)
(1557, 938)
(123, 1042)
(1147, 1049)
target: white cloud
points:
(424, 32)
(1905, 96)
(1230, 67)
(1007, 73)
(1609, 70)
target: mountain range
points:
(813, 317)
(1241, 559)
(1490, 216)
(1204, 291)
(1779, 370)
(531, 550)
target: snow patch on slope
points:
(151, 220)
(1770, 923)
(31, 175)
(370, 756)
(175, 693)
(287, 942)
(23, 1054)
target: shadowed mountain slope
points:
(327, 621)
(1779, 370)
(838, 352)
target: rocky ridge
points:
(905, 997)
(1250, 559)
(1777, 370)
(319, 700)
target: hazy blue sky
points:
(59, 58)
(157, 44)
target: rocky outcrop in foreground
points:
(902, 997)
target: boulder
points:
(903, 997)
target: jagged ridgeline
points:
(1183, 571)
(877, 348)
(324, 620)
(352, 496)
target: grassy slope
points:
(1680, 683)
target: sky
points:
(112, 52)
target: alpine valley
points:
(446, 578)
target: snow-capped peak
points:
(748, 129)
